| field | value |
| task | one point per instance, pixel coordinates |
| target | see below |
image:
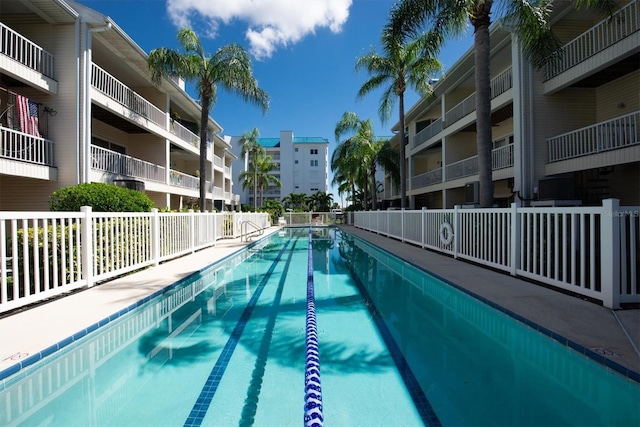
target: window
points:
(108, 145)
(314, 151)
(296, 162)
(314, 163)
(296, 149)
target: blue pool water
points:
(397, 348)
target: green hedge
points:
(101, 197)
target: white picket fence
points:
(591, 251)
(44, 254)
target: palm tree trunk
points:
(403, 166)
(374, 201)
(482, 50)
(204, 119)
(255, 184)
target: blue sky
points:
(303, 52)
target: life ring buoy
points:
(446, 233)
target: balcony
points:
(613, 134)
(427, 133)
(184, 134)
(180, 179)
(123, 165)
(609, 31)
(116, 90)
(499, 85)
(20, 146)
(25, 52)
(428, 178)
(500, 158)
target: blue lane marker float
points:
(313, 390)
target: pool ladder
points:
(244, 232)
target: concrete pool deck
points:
(614, 334)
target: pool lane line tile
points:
(13, 369)
(603, 361)
(200, 408)
(427, 414)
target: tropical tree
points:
(528, 20)
(404, 62)
(320, 201)
(264, 177)
(228, 68)
(361, 153)
(252, 148)
(296, 201)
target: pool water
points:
(397, 348)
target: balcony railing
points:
(428, 178)
(113, 88)
(500, 158)
(25, 52)
(608, 32)
(217, 161)
(180, 179)
(499, 84)
(121, 164)
(16, 145)
(617, 133)
(184, 134)
(428, 132)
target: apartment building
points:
(564, 135)
(302, 165)
(77, 105)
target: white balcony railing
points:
(620, 132)
(428, 132)
(113, 88)
(217, 161)
(499, 84)
(25, 52)
(500, 158)
(184, 134)
(608, 32)
(121, 164)
(180, 179)
(16, 145)
(427, 178)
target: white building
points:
(302, 165)
(100, 117)
(563, 135)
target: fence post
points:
(87, 245)
(423, 225)
(155, 236)
(610, 253)
(215, 228)
(402, 225)
(456, 228)
(514, 228)
(192, 228)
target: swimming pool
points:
(397, 347)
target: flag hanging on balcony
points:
(28, 115)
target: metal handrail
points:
(244, 234)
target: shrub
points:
(101, 197)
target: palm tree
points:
(229, 68)
(264, 177)
(321, 201)
(403, 63)
(360, 154)
(251, 147)
(529, 20)
(296, 201)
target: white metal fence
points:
(592, 251)
(44, 254)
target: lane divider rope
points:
(313, 390)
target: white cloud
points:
(270, 23)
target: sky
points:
(303, 54)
